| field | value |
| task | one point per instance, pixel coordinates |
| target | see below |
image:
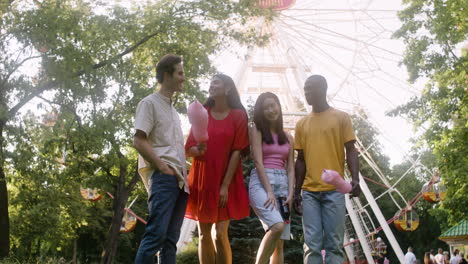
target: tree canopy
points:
(434, 32)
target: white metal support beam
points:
(349, 249)
(358, 229)
(383, 223)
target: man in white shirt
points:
(410, 258)
(456, 259)
(439, 258)
(161, 164)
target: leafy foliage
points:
(434, 31)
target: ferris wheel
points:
(349, 42)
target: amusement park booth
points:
(457, 237)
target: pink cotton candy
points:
(332, 177)
(198, 117)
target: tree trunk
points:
(75, 250)
(4, 218)
(120, 199)
(112, 241)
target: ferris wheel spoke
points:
(332, 58)
(326, 65)
(317, 59)
(331, 16)
(367, 51)
(324, 40)
(303, 44)
(307, 45)
(404, 85)
(333, 32)
(341, 10)
(334, 22)
(294, 33)
(305, 4)
(375, 20)
(315, 34)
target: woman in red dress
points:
(217, 190)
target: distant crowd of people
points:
(442, 257)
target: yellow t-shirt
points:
(322, 137)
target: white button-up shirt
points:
(157, 117)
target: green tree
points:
(433, 31)
(92, 68)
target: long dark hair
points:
(233, 98)
(263, 125)
(233, 101)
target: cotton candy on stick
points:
(332, 177)
(198, 117)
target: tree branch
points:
(77, 117)
(118, 56)
(108, 172)
(16, 67)
(52, 84)
(26, 99)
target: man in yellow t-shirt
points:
(320, 140)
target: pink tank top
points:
(274, 155)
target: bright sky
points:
(348, 42)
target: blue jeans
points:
(166, 204)
(323, 222)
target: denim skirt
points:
(257, 196)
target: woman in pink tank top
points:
(272, 181)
